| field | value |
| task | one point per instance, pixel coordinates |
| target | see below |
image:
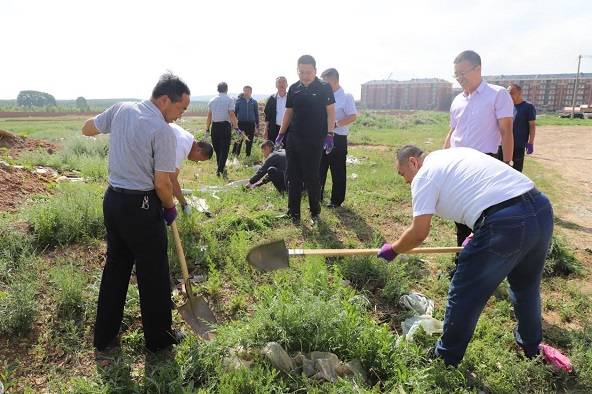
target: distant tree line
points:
(33, 98)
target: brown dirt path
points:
(567, 152)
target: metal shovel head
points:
(269, 256)
(197, 314)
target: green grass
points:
(51, 274)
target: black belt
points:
(128, 191)
(504, 204)
(222, 122)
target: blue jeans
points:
(513, 243)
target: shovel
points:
(274, 255)
(195, 311)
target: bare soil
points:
(16, 144)
(16, 184)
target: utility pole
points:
(575, 89)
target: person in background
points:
(480, 117)
(221, 118)
(310, 114)
(273, 169)
(246, 109)
(524, 126)
(274, 109)
(345, 115)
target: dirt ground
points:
(567, 152)
(16, 184)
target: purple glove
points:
(529, 149)
(387, 252)
(467, 240)
(169, 215)
(278, 141)
(328, 146)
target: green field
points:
(51, 252)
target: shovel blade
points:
(269, 256)
(197, 314)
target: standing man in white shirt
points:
(512, 224)
(275, 108)
(480, 117)
(187, 149)
(345, 115)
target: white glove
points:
(187, 210)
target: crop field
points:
(52, 250)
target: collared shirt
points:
(474, 117)
(309, 104)
(141, 142)
(247, 110)
(524, 113)
(345, 106)
(220, 107)
(460, 183)
(280, 108)
(184, 144)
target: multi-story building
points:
(424, 94)
(549, 92)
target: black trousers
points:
(272, 132)
(335, 161)
(518, 158)
(249, 129)
(136, 234)
(221, 143)
(303, 163)
(278, 178)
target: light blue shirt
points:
(345, 106)
(220, 105)
(141, 142)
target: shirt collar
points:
(478, 90)
(301, 85)
(153, 108)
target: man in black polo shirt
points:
(524, 126)
(310, 114)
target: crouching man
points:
(273, 169)
(512, 224)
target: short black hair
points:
(267, 144)
(307, 59)
(247, 87)
(470, 56)
(330, 73)
(171, 86)
(205, 148)
(222, 87)
(404, 153)
(516, 86)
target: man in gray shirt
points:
(137, 203)
(221, 118)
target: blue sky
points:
(109, 48)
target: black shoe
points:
(294, 218)
(178, 336)
(333, 205)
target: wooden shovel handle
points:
(181, 256)
(365, 252)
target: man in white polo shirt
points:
(345, 115)
(480, 117)
(512, 224)
(187, 149)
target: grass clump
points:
(70, 285)
(18, 308)
(15, 250)
(74, 214)
(560, 260)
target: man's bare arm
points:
(505, 126)
(286, 120)
(414, 235)
(330, 118)
(209, 120)
(345, 121)
(447, 139)
(177, 192)
(531, 131)
(164, 188)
